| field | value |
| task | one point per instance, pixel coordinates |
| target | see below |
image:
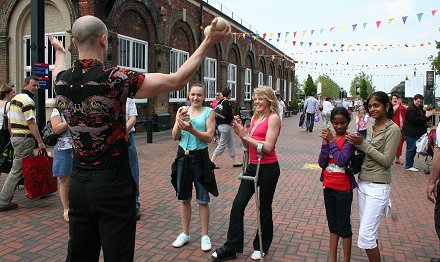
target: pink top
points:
(260, 135)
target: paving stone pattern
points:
(36, 231)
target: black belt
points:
(23, 135)
(380, 183)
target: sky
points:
(333, 22)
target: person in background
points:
(311, 107)
(433, 189)
(265, 128)
(194, 128)
(336, 153)
(7, 92)
(362, 122)
(281, 106)
(374, 180)
(131, 116)
(92, 98)
(327, 108)
(399, 114)
(218, 97)
(24, 132)
(62, 159)
(414, 126)
(224, 122)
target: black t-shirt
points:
(92, 99)
(227, 113)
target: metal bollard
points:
(149, 129)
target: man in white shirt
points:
(311, 107)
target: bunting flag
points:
(294, 43)
(404, 19)
(247, 36)
(378, 23)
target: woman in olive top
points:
(374, 184)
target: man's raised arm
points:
(60, 56)
(157, 83)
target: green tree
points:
(357, 80)
(363, 94)
(436, 60)
(309, 86)
(328, 87)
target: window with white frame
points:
(177, 58)
(232, 80)
(269, 81)
(277, 85)
(260, 79)
(247, 84)
(210, 78)
(49, 58)
(132, 53)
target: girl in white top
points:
(327, 108)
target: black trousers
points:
(310, 121)
(267, 181)
(102, 213)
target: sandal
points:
(222, 254)
(66, 215)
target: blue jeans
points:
(134, 165)
(410, 151)
(102, 213)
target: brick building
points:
(150, 36)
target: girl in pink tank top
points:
(265, 128)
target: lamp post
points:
(358, 90)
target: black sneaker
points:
(9, 206)
(138, 214)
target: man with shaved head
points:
(92, 98)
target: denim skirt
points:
(62, 163)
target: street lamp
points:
(415, 71)
(358, 90)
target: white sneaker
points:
(256, 255)
(181, 240)
(205, 243)
(412, 169)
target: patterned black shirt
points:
(92, 99)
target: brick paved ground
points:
(36, 231)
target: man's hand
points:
(213, 36)
(57, 45)
(431, 191)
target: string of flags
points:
(286, 35)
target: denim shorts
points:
(202, 194)
(62, 163)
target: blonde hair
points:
(267, 93)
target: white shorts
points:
(372, 199)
